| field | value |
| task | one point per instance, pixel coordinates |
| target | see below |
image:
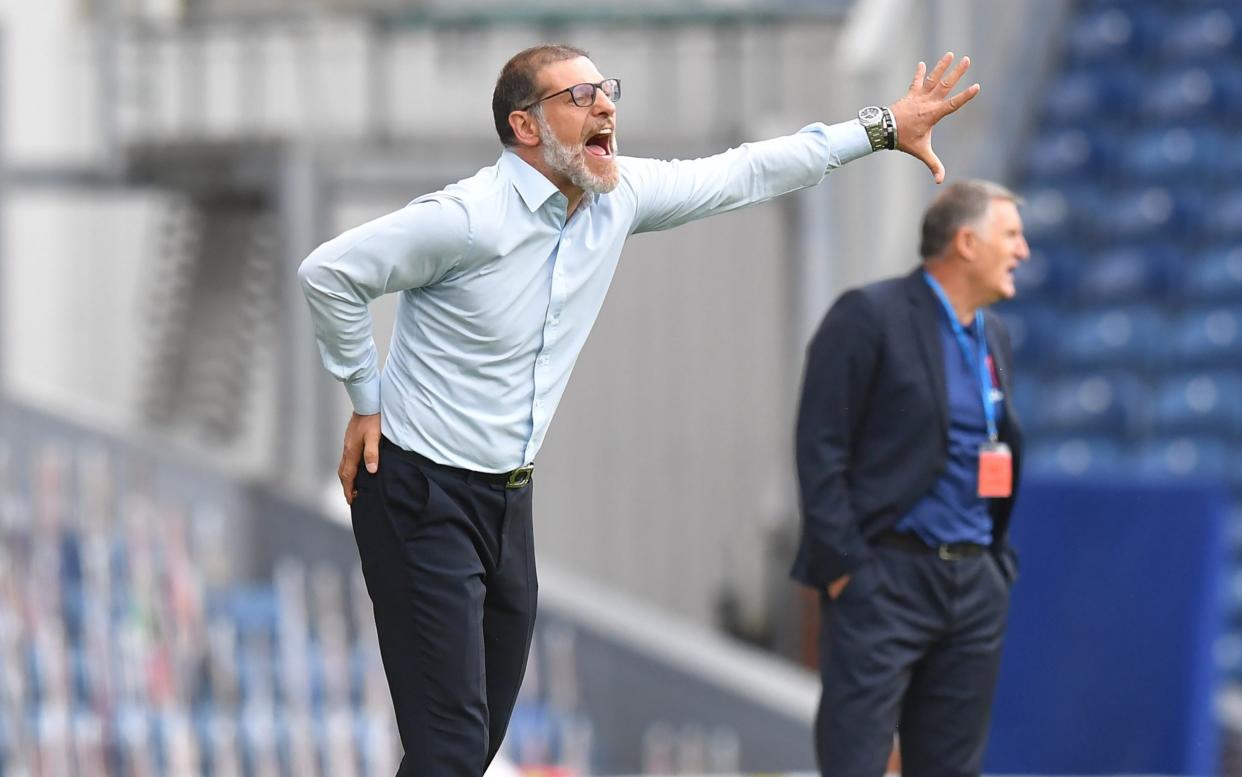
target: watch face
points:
(870, 115)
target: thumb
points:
(370, 453)
(933, 163)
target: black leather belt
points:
(518, 478)
(949, 551)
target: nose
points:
(1024, 249)
(604, 106)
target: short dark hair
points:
(518, 84)
(960, 204)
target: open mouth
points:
(600, 144)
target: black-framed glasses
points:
(583, 95)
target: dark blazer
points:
(873, 425)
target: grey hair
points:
(961, 204)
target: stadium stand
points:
(159, 619)
(1128, 321)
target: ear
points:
(964, 243)
(525, 128)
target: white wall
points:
(70, 265)
(49, 70)
(74, 306)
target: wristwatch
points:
(880, 126)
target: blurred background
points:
(179, 592)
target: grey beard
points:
(565, 161)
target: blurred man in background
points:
(502, 275)
(907, 454)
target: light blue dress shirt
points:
(499, 290)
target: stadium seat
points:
(1199, 402)
(1215, 275)
(1112, 32)
(1150, 213)
(1222, 216)
(1028, 400)
(1104, 404)
(1202, 457)
(1060, 213)
(1200, 36)
(1074, 457)
(1030, 326)
(1083, 95)
(1125, 337)
(1066, 154)
(1051, 269)
(1169, 155)
(1124, 274)
(1192, 93)
(1206, 338)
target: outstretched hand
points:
(926, 103)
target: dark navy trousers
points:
(912, 645)
(449, 563)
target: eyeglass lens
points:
(583, 95)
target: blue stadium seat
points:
(1222, 216)
(1200, 35)
(1215, 275)
(1151, 213)
(1193, 93)
(1074, 456)
(1031, 329)
(1199, 402)
(1106, 404)
(1125, 274)
(1203, 457)
(1083, 95)
(1028, 401)
(1126, 337)
(1114, 32)
(1059, 213)
(1050, 270)
(1066, 154)
(1208, 338)
(1170, 155)
(1225, 168)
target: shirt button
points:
(538, 403)
(543, 360)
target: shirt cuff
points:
(365, 396)
(847, 141)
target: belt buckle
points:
(520, 477)
(947, 553)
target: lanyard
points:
(976, 357)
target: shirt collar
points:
(534, 187)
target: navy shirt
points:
(953, 511)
